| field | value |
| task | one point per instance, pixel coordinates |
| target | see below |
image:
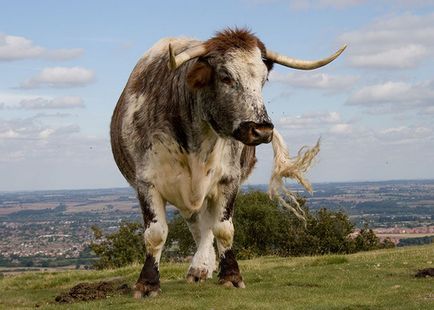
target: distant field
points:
(370, 280)
(403, 236)
(102, 207)
(27, 206)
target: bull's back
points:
(135, 120)
(122, 158)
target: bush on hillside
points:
(262, 227)
(120, 248)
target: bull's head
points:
(228, 75)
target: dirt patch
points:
(423, 273)
(92, 291)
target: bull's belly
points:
(184, 190)
(182, 179)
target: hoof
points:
(241, 284)
(142, 290)
(227, 284)
(195, 275)
(232, 281)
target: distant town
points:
(53, 228)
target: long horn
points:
(178, 60)
(302, 64)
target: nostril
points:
(256, 133)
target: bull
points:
(184, 132)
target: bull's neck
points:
(196, 132)
(203, 138)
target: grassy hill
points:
(370, 280)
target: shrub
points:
(119, 248)
(262, 227)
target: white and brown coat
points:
(187, 137)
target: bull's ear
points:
(200, 75)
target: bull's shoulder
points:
(151, 73)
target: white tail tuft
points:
(294, 168)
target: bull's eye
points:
(227, 80)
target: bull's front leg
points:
(203, 263)
(229, 272)
(154, 217)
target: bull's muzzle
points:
(252, 133)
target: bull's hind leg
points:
(203, 263)
(154, 217)
(229, 272)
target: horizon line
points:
(253, 184)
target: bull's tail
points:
(294, 168)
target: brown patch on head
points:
(237, 38)
(232, 39)
(199, 76)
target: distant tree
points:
(366, 240)
(330, 232)
(60, 208)
(119, 248)
(262, 227)
(416, 241)
(87, 251)
(179, 238)
(28, 263)
(387, 244)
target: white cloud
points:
(395, 97)
(315, 80)
(401, 57)
(14, 101)
(404, 134)
(318, 4)
(35, 155)
(341, 128)
(319, 122)
(55, 103)
(31, 129)
(60, 77)
(8, 134)
(18, 48)
(14, 48)
(396, 42)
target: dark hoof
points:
(229, 275)
(232, 281)
(142, 290)
(197, 275)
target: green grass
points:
(369, 280)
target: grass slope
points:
(370, 280)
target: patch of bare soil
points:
(423, 273)
(91, 291)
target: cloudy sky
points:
(63, 65)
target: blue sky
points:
(63, 65)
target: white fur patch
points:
(185, 180)
(251, 76)
(224, 233)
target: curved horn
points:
(302, 64)
(178, 60)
